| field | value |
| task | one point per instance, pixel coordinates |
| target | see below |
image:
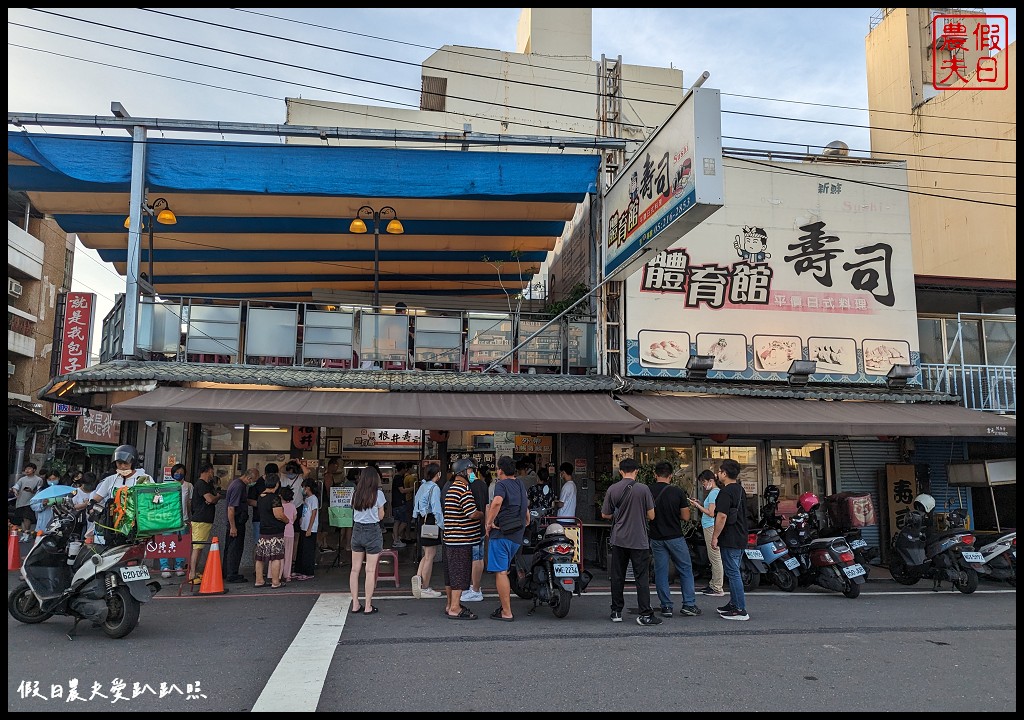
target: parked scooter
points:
(544, 569)
(826, 562)
(783, 568)
(63, 576)
(1000, 555)
(835, 523)
(752, 565)
(919, 551)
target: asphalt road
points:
(893, 648)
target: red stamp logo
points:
(968, 52)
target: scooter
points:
(1000, 556)
(826, 562)
(919, 552)
(61, 575)
(752, 564)
(783, 568)
(544, 570)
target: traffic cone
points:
(213, 581)
(13, 550)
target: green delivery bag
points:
(148, 509)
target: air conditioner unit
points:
(14, 287)
(10, 368)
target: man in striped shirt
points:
(462, 530)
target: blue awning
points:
(272, 219)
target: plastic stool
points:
(392, 557)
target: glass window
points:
(490, 337)
(1000, 342)
(933, 349)
(796, 468)
(746, 455)
(681, 457)
(383, 338)
(970, 338)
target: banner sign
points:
(77, 332)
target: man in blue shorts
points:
(507, 519)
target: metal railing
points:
(992, 388)
(251, 332)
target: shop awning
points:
(568, 412)
(813, 418)
(96, 448)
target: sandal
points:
(355, 611)
(262, 584)
(372, 611)
(496, 615)
(464, 614)
(277, 587)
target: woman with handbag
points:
(429, 521)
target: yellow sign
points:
(529, 444)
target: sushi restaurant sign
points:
(380, 438)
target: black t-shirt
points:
(732, 502)
(398, 498)
(480, 497)
(668, 501)
(203, 511)
(255, 491)
(269, 524)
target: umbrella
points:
(52, 491)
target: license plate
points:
(135, 572)
(855, 570)
(791, 563)
(973, 557)
(754, 554)
(858, 544)
(567, 570)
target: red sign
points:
(169, 546)
(969, 52)
(75, 337)
(304, 438)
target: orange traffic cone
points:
(213, 582)
(13, 550)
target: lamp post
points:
(159, 212)
(394, 227)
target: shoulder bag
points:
(429, 530)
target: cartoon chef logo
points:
(752, 244)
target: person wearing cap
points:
(462, 530)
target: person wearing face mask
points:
(238, 518)
(125, 475)
(294, 474)
(44, 512)
(178, 476)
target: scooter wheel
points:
(562, 599)
(852, 589)
(784, 580)
(970, 581)
(24, 607)
(749, 578)
(122, 613)
(901, 573)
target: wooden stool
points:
(392, 557)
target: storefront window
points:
(797, 468)
(746, 455)
(222, 446)
(681, 457)
(173, 449)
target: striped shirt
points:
(459, 506)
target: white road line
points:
(299, 678)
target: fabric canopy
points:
(272, 221)
(92, 448)
(813, 418)
(524, 412)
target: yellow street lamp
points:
(394, 227)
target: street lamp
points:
(161, 212)
(394, 227)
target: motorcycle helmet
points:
(463, 466)
(924, 502)
(554, 529)
(771, 494)
(125, 453)
(808, 502)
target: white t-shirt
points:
(370, 516)
(310, 505)
(568, 498)
(296, 486)
(106, 487)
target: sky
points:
(807, 67)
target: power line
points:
(775, 168)
(463, 72)
(869, 153)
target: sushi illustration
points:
(665, 350)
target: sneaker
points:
(472, 595)
(179, 573)
(728, 607)
(735, 615)
(712, 592)
(646, 620)
(431, 593)
(689, 610)
(666, 612)
(417, 587)
(397, 545)
(616, 616)
(25, 537)
(165, 574)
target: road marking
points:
(299, 678)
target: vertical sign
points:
(304, 437)
(900, 491)
(77, 331)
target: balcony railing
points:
(316, 335)
(992, 388)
